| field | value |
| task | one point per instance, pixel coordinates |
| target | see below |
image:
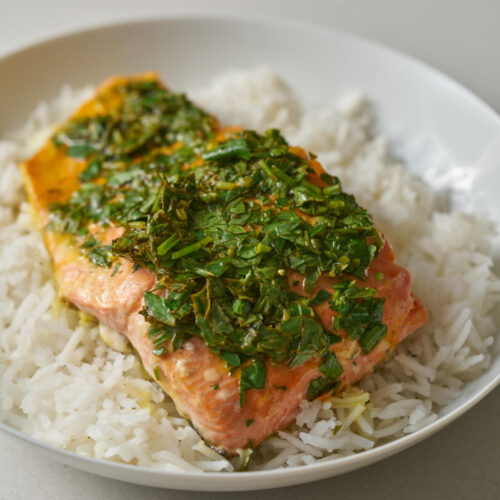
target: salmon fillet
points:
(202, 385)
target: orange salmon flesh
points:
(197, 380)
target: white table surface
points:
(461, 38)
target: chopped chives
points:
(191, 248)
(168, 244)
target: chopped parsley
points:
(360, 313)
(220, 222)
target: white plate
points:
(445, 134)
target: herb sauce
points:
(219, 218)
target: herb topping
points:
(221, 219)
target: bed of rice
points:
(61, 384)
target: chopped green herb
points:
(319, 386)
(89, 243)
(331, 366)
(115, 269)
(100, 256)
(157, 371)
(191, 248)
(168, 244)
(91, 172)
(249, 422)
(253, 376)
(158, 308)
(236, 148)
(220, 222)
(230, 358)
(372, 337)
(79, 150)
(320, 297)
(360, 312)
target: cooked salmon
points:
(202, 385)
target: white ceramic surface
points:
(445, 134)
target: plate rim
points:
(229, 15)
(298, 474)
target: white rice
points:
(60, 383)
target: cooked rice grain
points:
(60, 383)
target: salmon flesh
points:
(202, 385)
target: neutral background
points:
(461, 38)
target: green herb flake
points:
(191, 248)
(116, 268)
(158, 308)
(159, 351)
(331, 366)
(236, 148)
(100, 256)
(372, 337)
(91, 172)
(168, 244)
(232, 359)
(157, 371)
(320, 297)
(360, 313)
(320, 386)
(79, 151)
(253, 376)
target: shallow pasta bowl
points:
(413, 101)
